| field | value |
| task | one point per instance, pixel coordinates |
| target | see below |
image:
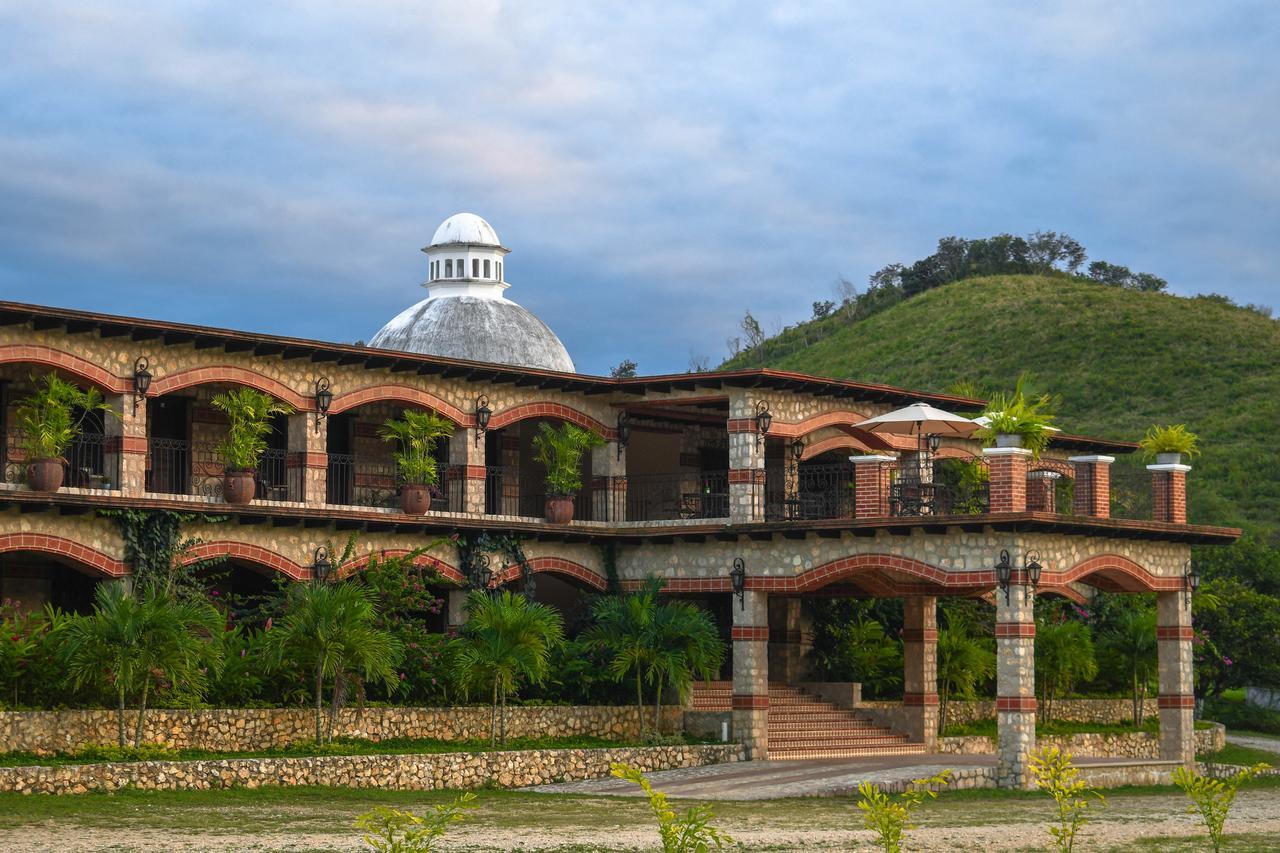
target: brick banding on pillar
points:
(475, 472)
(750, 702)
(1019, 704)
(739, 425)
(920, 699)
(746, 475)
(751, 633)
(1015, 630)
(1179, 700)
(133, 444)
(919, 635)
(308, 459)
(1175, 632)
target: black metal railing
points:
(353, 480)
(670, 497)
(176, 466)
(91, 461)
(1131, 491)
(809, 492)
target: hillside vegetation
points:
(1120, 359)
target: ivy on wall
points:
(154, 546)
(476, 565)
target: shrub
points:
(138, 752)
(48, 418)
(1058, 777)
(249, 413)
(889, 817)
(1015, 414)
(1170, 439)
(690, 832)
(559, 450)
(416, 434)
(1212, 798)
(388, 830)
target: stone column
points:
(609, 470)
(1042, 487)
(1176, 699)
(746, 462)
(1015, 686)
(751, 673)
(871, 485)
(920, 668)
(308, 459)
(455, 610)
(126, 448)
(1169, 492)
(467, 470)
(1008, 477)
(1092, 494)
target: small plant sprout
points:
(1170, 439)
(1058, 777)
(388, 830)
(690, 832)
(1212, 798)
(888, 817)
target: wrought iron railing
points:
(668, 497)
(1131, 491)
(176, 466)
(92, 461)
(809, 492)
(359, 481)
(954, 490)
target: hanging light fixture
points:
(1190, 581)
(141, 380)
(321, 564)
(797, 449)
(624, 432)
(483, 413)
(1004, 573)
(738, 581)
(324, 399)
(935, 441)
(764, 420)
(1031, 569)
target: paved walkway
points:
(1270, 744)
(768, 780)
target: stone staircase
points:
(802, 725)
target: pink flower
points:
(402, 676)
(268, 626)
(1227, 661)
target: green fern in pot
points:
(50, 418)
(249, 413)
(1169, 444)
(416, 434)
(560, 450)
(1016, 420)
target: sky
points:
(657, 169)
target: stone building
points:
(761, 469)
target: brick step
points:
(804, 727)
(820, 715)
(869, 752)
(833, 740)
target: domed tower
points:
(466, 313)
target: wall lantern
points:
(624, 432)
(1190, 581)
(935, 441)
(1032, 569)
(764, 420)
(321, 565)
(324, 398)
(141, 380)
(738, 580)
(1004, 574)
(797, 450)
(483, 412)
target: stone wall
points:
(1129, 745)
(252, 729)
(1111, 774)
(1067, 710)
(390, 772)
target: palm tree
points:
(129, 642)
(963, 662)
(507, 639)
(685, 644)
(622, 628)
(1064, 657)
(332, 629)
(1133, 640)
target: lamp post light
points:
(935, 442)
(624, 432)
(1031, 569)
(483, 412)
(797, 450)
(141, 380)
(1004, 573)
(764, 420)
(738, 580)
(1190, 581)
(321, 564)
(324, 399)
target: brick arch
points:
(838, 442)
(525, 411)
(445, 570)
(250, 554)
(559, 566)
(950, 452)
(1066, 469)
(844, 567)
(401, 394)
(83, 556)
(94, 374)
(1117, 573)
(843, 419)
(233, 375)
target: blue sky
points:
(657, 169)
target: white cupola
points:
(465, 259)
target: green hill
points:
(1120, 359)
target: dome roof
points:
(465, 228)
(478, 329)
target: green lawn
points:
(1244, 755)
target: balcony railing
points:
(358, 481)
(507, 492)
(809, 492)
(179, 467)
(1131, 492)
(92, 461)
(668, 497)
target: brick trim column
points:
(746, 462)
(1015, 687)
(871, 485)
(751, 673)
(1169, 492)
(308, 461)
(1176, 700)
(1092, 495)
(467, 459)
(609, 479)
(1007, 467)
(1042, 491)
(920, 669)
(126, 449)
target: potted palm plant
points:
(50, 418)
(559, 450)
(1168, 445)
(249, 413)
(1014, 420)
(417, 434)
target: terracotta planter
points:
(415, 500)
(45, 475)
(1008, 440)
(560, 509)
(238, 487)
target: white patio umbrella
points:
(919, 419)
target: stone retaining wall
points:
(239, 730)
(1115, 774)
(1129, 745)
(392, 772)
(1069, 710)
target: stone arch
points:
(234, 375)
(843, 419)
(446, 571)
(845, 567)
(837, 442)
(84, 557)
(64, 362)
(526, 411)
(563, 568)
(403, 394)
(249, 554)
(1117, 573)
